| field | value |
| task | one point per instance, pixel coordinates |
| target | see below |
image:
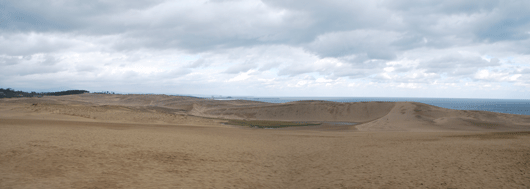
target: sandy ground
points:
(148, 141)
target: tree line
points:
(11, 93)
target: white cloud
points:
(242, 76)
(389, 69)
(408, 85)
(323, 80)
(496, 76)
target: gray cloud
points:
(295, 70)
(456, 65)
(447, 7)
(23, 67)
(268, 66)
(199, 63)
(329, 28)
(86, 68)
(375, 44)
(9, 61)
(238, 68)
(176, 73)
(216, 39)
(24, 44)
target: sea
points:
(510, 106)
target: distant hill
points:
(11, 93)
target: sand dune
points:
(303, 110)
(158, 141)
(371, 116)
(413, 116)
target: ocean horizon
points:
(511, 106)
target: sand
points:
(156, 141)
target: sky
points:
(327, 48)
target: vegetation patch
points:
(269, 124)
(483, 124)
(495, 135)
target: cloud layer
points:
(269, 47)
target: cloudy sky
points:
(380, 48)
